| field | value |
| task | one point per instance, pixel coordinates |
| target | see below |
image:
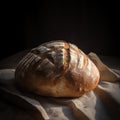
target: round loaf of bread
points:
(57, 69)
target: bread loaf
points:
(57, 69)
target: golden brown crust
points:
(57, 69)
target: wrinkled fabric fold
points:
(103, 103)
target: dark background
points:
(92, 26)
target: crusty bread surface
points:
(58, 69)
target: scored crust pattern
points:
(58, 69)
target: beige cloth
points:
(101, 104)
